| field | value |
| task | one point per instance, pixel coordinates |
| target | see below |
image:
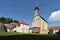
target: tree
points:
(16, 21)
(8, 20)
(2, 20)
(58, 33)
(50, 31)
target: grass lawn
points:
(15, 33)
(23, 36)
(10, 33)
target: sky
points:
(24, 10)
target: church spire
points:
(36, 9)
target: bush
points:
(58, 33)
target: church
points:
(39, 24)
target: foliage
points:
(7, 20)
(50, 31)
(58, 33)
(16, 21)
(2, 20)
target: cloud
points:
(54, 17)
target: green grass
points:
(23, 36)
(14, 33)
(10, 33)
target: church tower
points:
(36, 10)
(39, 24)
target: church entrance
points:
(36, 30)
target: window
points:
(33, 20)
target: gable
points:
(38, 16)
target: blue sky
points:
(24, 9)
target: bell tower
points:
(36, 9)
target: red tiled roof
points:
(54, 28)
(23, 22)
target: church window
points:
(33, 20)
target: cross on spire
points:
(37, 3)
(36, 7)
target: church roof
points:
(41, 17)
(36, 8)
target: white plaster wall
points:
(54, 31)
(8, 30)
(22, 28)
(35, 22)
